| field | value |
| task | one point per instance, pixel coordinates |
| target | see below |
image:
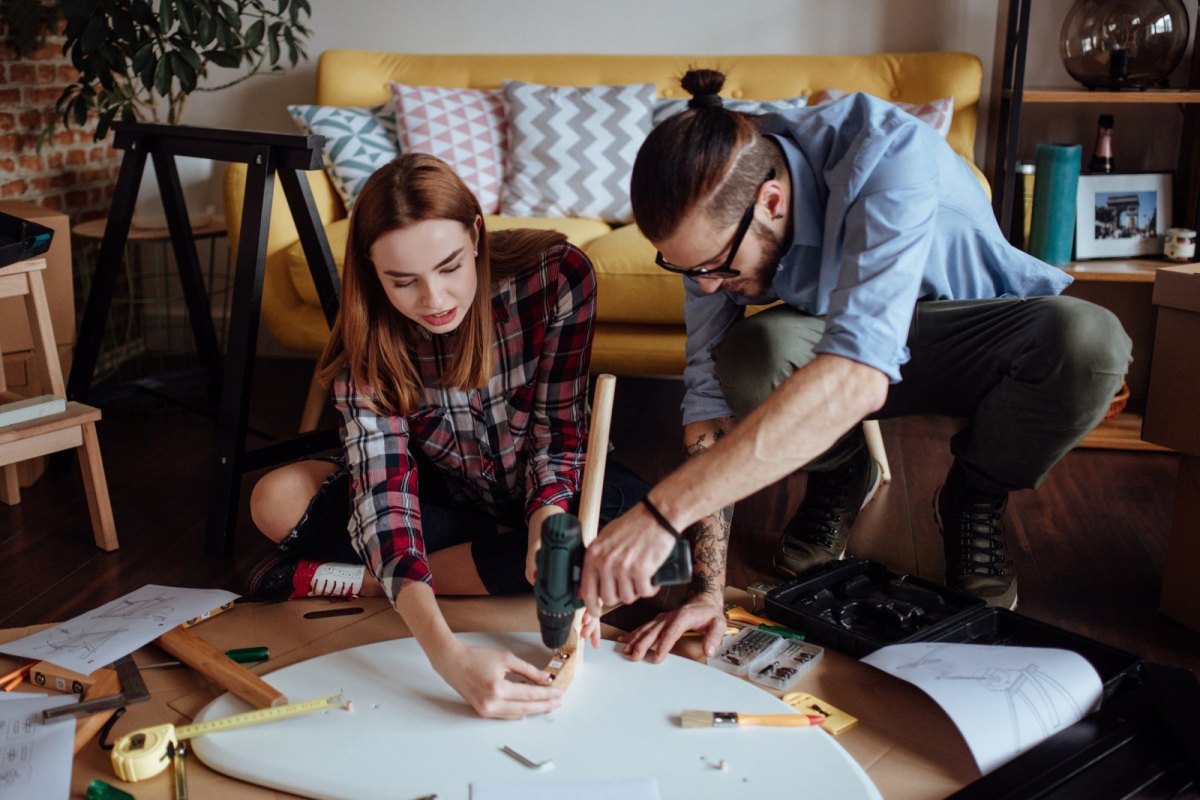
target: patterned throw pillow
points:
(463, 127)
(571, 149)
(938, 114)
(358, 141)
(664, 109)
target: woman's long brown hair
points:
(372, 338)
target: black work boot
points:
(820, 530)
(972, 526)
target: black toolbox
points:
(21, 239)
(1144, 741)
(857, 606)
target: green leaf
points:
(206, 30)
(143, 56)
(94, 35)
(254, 35)
(81, 111)
(223, 58)
(187, 18)
(103, 123)
(272, 51)
(190, 56)
(231, 16)
(183, 71)
(148, 72)
(166, 15)
(283, 4)
(162, 77)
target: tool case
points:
(21, 239)
(1142, 742)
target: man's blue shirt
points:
(885, 214)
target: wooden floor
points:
(1089, 544)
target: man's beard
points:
(755, 283)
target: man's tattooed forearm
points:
(710, 539)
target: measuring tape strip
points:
(143, 753)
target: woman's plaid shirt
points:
(510, 447)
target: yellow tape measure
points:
(143, 753)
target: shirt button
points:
(737, 93)
(894, 94)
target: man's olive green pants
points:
(1032, 377)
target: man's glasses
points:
(726, 269)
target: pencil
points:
(13, 679)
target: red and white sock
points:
(326, 579)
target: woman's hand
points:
(536, 519)
(480, 675)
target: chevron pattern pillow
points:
(358, 141)
(571, 149)
(664, 108)
(463, 127)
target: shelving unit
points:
(1123, 285)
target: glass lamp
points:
(1124, 44)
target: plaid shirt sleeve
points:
(385, 523)
(560, 412)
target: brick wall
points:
(71, 173)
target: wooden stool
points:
(75, 427)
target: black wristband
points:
(658, 516)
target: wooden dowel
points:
(591, 490)
(220, 669)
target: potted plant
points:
(139, 60)
(135, 55)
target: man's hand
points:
(618, 566)
(480, 676)
(658, 636)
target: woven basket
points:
(1118, 402)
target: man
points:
(899, 296)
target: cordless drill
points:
(560, 565)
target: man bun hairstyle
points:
(704, 85)
(708, 154)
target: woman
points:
(459, 362)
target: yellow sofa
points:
(640, 307)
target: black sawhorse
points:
(229, 383)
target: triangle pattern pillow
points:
(665, 108)
(463, 127)
(571, 149)
(358, 141)
(937, 114)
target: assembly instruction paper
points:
(1004, 700)
(102, 635)
(35, 756)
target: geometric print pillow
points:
(663, 109)
(358, 141)
(571, 149)
(463, 127)
(937, 114)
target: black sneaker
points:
(976, 554)
(271, 578)
(820, 530)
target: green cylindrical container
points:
(1052, 230)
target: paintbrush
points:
(732, 719)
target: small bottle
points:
(1102, 156)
